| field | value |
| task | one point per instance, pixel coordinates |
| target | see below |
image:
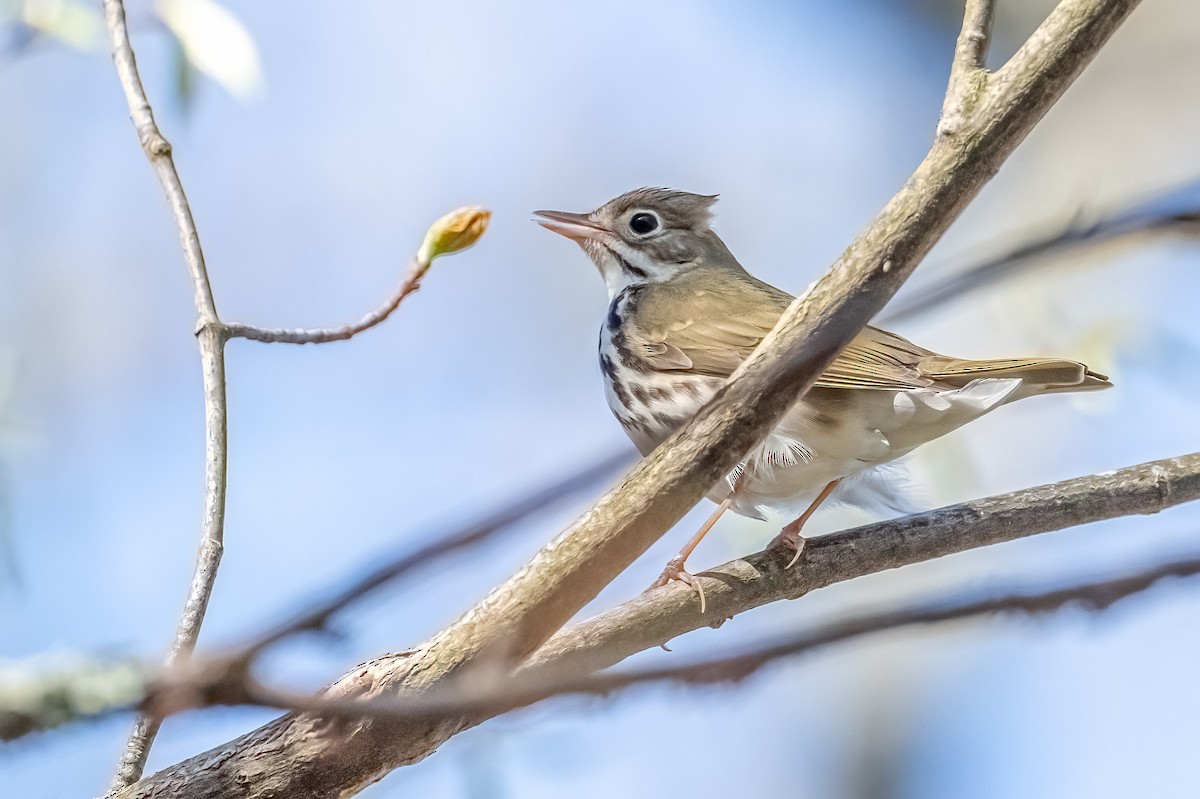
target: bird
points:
(683, 314)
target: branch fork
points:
(968, 72)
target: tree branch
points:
(454, 232)
(41, 698)
(300, 756)
(649, 620)
(410, 283)
(653, 619)
(537, 686)
(1174, 211)
(968, 76)
(212, 358)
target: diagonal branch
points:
(44, 697)
(650, 620)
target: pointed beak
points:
(577, 227)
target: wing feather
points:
(723, 320)
(708, 322)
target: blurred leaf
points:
(72, 22)
(217, 44)
(185, 76)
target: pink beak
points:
(577, 227)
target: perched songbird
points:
(683, 314)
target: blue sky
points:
(379, 117)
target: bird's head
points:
(645, 236)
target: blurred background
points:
(317, 142)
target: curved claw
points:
(789, 540)
(674, 571)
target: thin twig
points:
(1174, 211)
(317, 616)
(410, 283)
(454, 232)
(212, 356)
(968, 74)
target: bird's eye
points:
(643, 223)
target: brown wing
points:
(715, 322)
(708, 323)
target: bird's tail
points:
(1038, 375)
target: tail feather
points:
(1092, 381)
(1048, 374)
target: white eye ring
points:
(643, 223)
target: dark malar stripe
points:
(627, 297)
(636, 271)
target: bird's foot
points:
(789, 540)
(674, 571)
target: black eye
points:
(642, 224)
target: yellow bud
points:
(454, 232)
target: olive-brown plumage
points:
(684, 314)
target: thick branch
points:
(300, 756)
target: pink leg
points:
(674, 569)
(790, 537)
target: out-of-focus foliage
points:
(209, 38)
(216, 43)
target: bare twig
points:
(1174, 211)
(410, 283)
(968, 75)
(454, 232)
(212, 357)
(318, 615)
